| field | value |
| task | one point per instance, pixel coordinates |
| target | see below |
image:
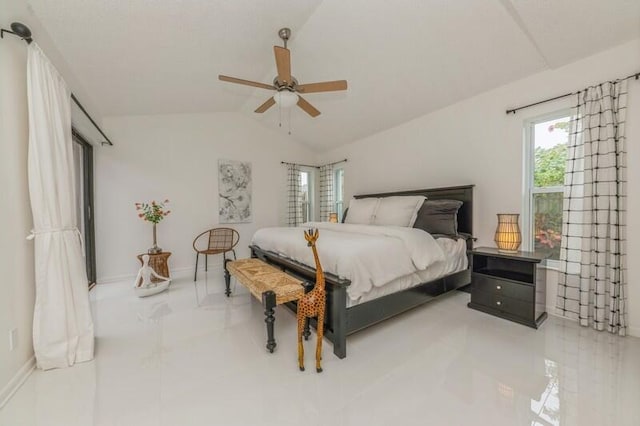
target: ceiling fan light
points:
(285, 98)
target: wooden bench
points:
(269, 285)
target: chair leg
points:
(195, 286)
(206, 262)
(195, 274)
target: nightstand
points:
(509, 285)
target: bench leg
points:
(269, 303)
(227, 279)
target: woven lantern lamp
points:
(508, 237)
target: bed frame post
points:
(338, 320)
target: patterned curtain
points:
(592, 282)
(326, 192)
(294, 202)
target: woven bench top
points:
(259, 277)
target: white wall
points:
(176, 157)
(17, 288)
(16, 253)
(475, 142)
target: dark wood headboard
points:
(462, 193)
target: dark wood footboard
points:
(335, 328)
(340, 320)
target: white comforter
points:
(369, 256)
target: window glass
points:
(305, 180)
(338, 185)
(546, 161)
(547, 211)
(550, 152)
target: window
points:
(338, 192)
(307, 194)
(83, 164)
(544, 167)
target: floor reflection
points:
(197, 358)
(547, 408)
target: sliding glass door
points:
(83, 164)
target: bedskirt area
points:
(456, 260)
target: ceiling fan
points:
(286, 85)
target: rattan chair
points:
(221, 240)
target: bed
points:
(364, 295)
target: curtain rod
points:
(514, 110)
(107, 141)
(315, 167)
(22, 31)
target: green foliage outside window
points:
(550, 164)
(547, 210)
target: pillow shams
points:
(439, 217)
(398, 210)
(361, 211)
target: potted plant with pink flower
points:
(153, 212)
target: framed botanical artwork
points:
(234, 187)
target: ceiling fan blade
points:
(265, 106)
(307, 107)
(246, 82)
(325, 86)
(283, 63)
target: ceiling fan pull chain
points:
(289, 121)
(279, 116)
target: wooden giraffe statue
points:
(312, 304)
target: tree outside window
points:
(548, 144)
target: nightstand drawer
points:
(500, 287)
(504, 304)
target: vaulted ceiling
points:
(402, 58)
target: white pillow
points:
(398, 211)
(362, 210)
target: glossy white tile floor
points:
(166, 361)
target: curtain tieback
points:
(34, 232)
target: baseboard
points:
(14, 384)
(631, 331)
(552, 310)
(176, 273)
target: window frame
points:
(528, 190)
(311, 172)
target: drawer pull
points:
(498, 287)
(498, 303)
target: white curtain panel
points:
(593, 278)
(62, 323)
(326, 192)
